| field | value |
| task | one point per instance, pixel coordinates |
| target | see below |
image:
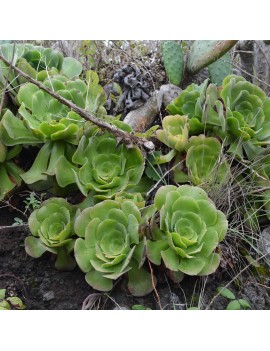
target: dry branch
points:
(127, 138)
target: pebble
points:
(48, 296)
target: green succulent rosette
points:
(189, 103)
(106, 168)
(247, 116)
(52, 230)
(38, 62)
(136, 198)
(37, 106)
(43, 120)
(175, 132)
(189, 232)
(202, 106)
(9, 171)
(111, 244)
(205, 162)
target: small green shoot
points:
(234, 304)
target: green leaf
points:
(234, 305)
(140, 282)
(2, 293)
(39, 167)
(34, 247)
(171, 259)
(147, 212)
(161, 194)
(154, 249)
(4, 305)
(64, 261)
(65, 172)
(83, 254)
(71, 67)
(226, 293)
(3, 152)
(176, 277)
(16, 303)
(98, 282)
(139, 307)
(7, 183)
(25, 94)
(14, 132)
(244, 303)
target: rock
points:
(264, 244)
(169, 300)
(9, 229)
(121, 308)
(48, 296)
(257, 296)
(143, 117)
(169, 93)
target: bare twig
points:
(90, 300)
(127, 138)
(154, 286)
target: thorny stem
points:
(127, 138)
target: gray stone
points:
(120, 308)
(48, 296)
(169, 93)
(264, 244)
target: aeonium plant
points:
(105, 168)
(247, 117)
(189, 232)
(175, 132)
(205, 162)
(112, 244)
(52, 230)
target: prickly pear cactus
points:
(204, 52)
(173, 61)
(220, 69)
